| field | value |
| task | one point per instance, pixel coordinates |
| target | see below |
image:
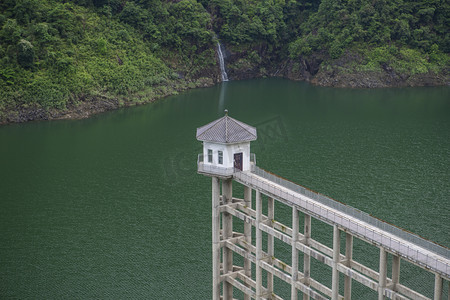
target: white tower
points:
(226, 146)
(226, 151)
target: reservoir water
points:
(112, 207)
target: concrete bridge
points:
(227, 276)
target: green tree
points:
(25, 53)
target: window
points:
(210, 155)
(220, 157)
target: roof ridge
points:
(226, 127)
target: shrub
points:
(102, 46)
(47, 93)
(25, 53)
(10, 32)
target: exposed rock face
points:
(377, 79)
(342, 72)
(91, 105)
(83, 109)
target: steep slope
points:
(66, 59)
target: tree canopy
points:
(56, 52)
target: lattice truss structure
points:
(247, 262)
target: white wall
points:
(228, 154)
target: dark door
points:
(238, 161)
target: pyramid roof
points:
(226, 130)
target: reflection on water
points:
(222, 100)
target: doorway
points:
(238, 161)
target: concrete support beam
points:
(259, 287)
(438, 287)
(336, 255)
(383, 274)
(226, 276)
(316, 250)
(227, 232)
(245, 289)
(216, 238)
(270, 241)
(306, 257)
(395, 272)
(247, 236)
(294, 272)
(348, 261)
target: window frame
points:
(220, 157)
(210, 156)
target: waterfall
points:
(222, 63)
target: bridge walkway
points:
(413, 248)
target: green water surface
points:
(111, 207)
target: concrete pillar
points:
(348, 257)
(258, 245)
(395, 271)
(270, 242)
(295, 229)
(383, 274)
(216, 238)
(306, 257)
(438, 287)
(248, 235)
(335, 274)
(227, 232)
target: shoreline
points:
(90, 105)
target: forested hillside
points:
(71, 58)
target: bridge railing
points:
(212, 169)
(412, 248)
(360, 215)
(221, 171)
(252, 162)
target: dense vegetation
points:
(411, 36)
(57, 54)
